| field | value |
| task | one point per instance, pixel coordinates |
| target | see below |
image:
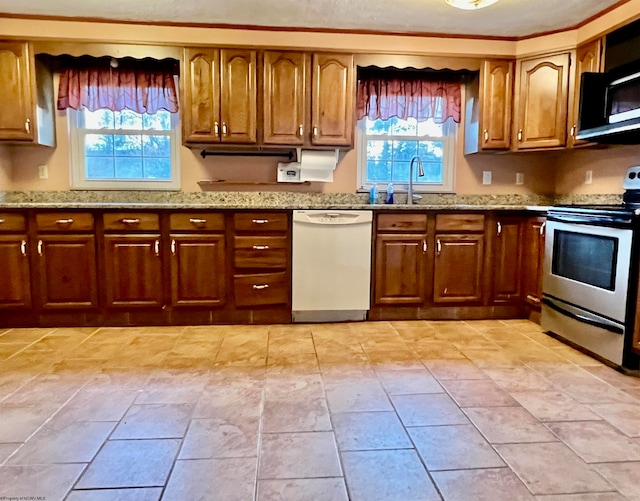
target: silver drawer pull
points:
(40, 248)
(198, 222)
(130, 220)
(173, 247)
(1, 221)
(499, 229)
(438, 246)
(260, 287)
(260, 247)
(64, 221)
(260, 221)
(156, 248)
(542, 226)
(23, 248)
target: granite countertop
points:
(277, 200)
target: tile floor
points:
(485, 410)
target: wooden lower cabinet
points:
(400, 270)
(533, 260)
(133, 269)
(198, 275)
(506, 272)
(67, 271)
(458, 271)
(15, 286)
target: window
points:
(386, 147)
(124, 149)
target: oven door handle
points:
(611, 327)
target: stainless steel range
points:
(591, 275)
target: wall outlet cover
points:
(588, 178)
(486, 177)
(43, 171)
(519, 178)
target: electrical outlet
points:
(520, 178)
(486, 177)
(588, 178)
(43, 171)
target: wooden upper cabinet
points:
(332, 108)
(16, 119)
(219, 96)
(284, 97)
(495, 101)
(540, 118)
(588, 58)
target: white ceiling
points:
(507, 18)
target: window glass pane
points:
(99, 168)
(380, 150)
(128, 168)
(431, 129)
(99, 119)
(128, 119)
(156, 146)
(399, 127)
(378, 171)
(376, 127)
(159, 121)
(157, 168)
(432, 172)
(127, 145)
(404, 151)
(98, 144)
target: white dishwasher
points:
(331, 265)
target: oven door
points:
(587, 266)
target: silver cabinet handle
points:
(224, 129)
(260, 247)
(542, 228)
(1, 221)
(438, 246)
(260, 287)
(40, 248)
(300, 130)
(216, 128)
(156, 248)
(520, 135)
(27, 125)
(486, 135)
(130, 220)
(64, 221)
(572, 133)
(260, 221)
(315, 131)
(424, 246)
(198, 222)
(23, 248)
(173, 247)
(499, 228)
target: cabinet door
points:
(507, 252)
(201, 96)
(284, 92)
(198, 270)
(15, 286)
(541, 104)
(533, 260)
(16, 119)
(400, 269)
(458, 269)
(67, 271)
(496, 98)
(332, 98)
(588, 58)
(239, 95)
(133, 270)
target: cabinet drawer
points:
(460, 222)
(64, 221)
(131, 221)
(194, 221)
(12, 222)
(260, 252)
(261, 289)
(260, 221)
(402, 222)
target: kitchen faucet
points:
(420, 173)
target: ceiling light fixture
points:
(470, 4)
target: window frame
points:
(450, 141)
(78, 177)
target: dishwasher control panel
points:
(331, 217)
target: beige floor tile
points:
(20, 422)
(601, 496)
(89, 405)
(477, 392)
(357, 396)
(43, 481)
(304, 489)
(282, 386)
(9, 349)
(24, 335)
(72, 443)
(286, 455)
(552, 468)
(209, 479)
(130, 463)
(491, 484)
(279, 345)
(227, 400)
(10, 381)
(624, 476)
(219, 438)
(135, 494)
(490, 359)
(428, 410)
(387, 475)
(302, 363)
(295, 414)
(436, 350)
(361, 431)
(519, 379)
(625, 417)
(48, 389)
(597, 441)
(614, 377)
(154, 421)
(454, 448)
(394, 360)
(195, 348)
(96, 350)
(504, 425)
(454, 369)
(553, 406)
(176, 388)
(407, 382)
(7, 449)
